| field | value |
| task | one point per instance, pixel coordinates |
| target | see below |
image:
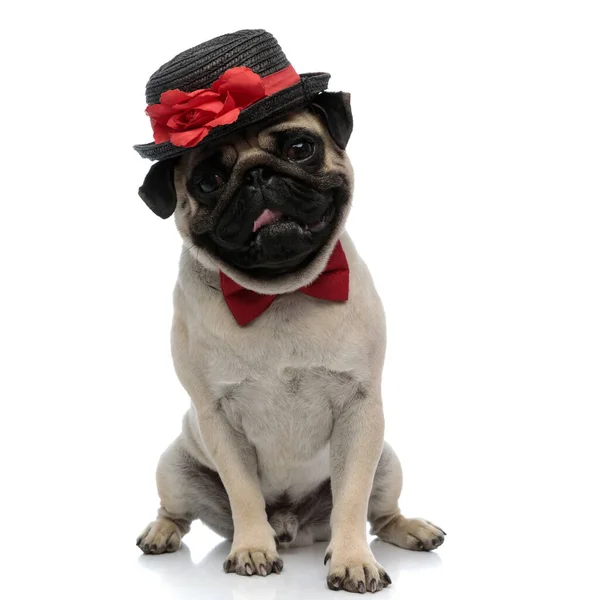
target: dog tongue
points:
(267, 216)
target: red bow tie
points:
(332, 284)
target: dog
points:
(283, 443)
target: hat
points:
(220, 86)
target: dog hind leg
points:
(187, 491)
(384, 515)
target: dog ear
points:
(334, 108)
(158, 189)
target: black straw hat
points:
(197, 70)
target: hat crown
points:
(199, 67)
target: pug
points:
(283, 443)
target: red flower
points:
(186, 118)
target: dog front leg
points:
(356, 443)
(253, 550)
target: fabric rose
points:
(186, 118)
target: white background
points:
(477, 154)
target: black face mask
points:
(300, 209)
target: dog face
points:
(265, 201)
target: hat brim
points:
(271, 107)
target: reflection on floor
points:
(181, 577)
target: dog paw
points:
(355, 571)
(253, 562)
(159, 537)
(412, 534)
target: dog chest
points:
(287, 416)
(289, 411)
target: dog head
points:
(266, 205)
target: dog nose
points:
(258, 176)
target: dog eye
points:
(299, 150)
(210, 183)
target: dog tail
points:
(285, 524)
